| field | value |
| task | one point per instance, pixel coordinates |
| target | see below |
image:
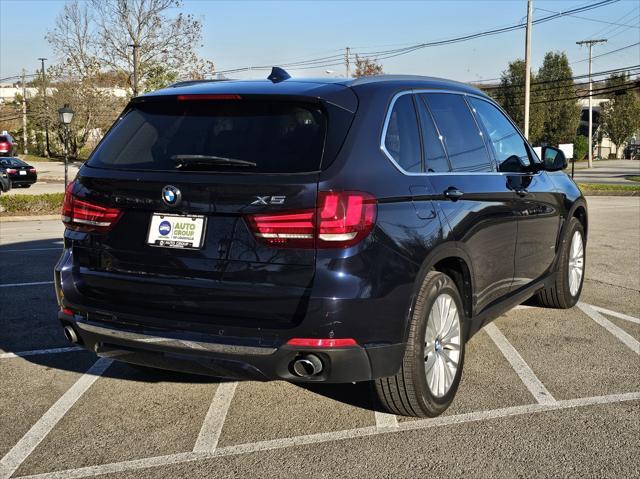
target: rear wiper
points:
(209, 160)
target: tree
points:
(510, 95)
(620, 116)
(367, 67)
(560, 110)
(98, 36)
(580, 147)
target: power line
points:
(386, 54)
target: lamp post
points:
(66, 115)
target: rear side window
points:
(266, 136)
(402, 139)
(508, 146)
(434, 158)
(460, 134)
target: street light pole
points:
(46, 109)
(135, 47)
(66, 115)
(527, 69)
(591, 43)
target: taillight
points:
(12, 171)
(4, 146)
(342, 219)
(82, 215)
(32, 170)
(223, 96)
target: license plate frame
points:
(169, 240)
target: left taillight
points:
(82, 215)
(341, 219)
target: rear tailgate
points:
(232, 279)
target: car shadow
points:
(28, 322)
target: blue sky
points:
(243, 33)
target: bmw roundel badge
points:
(171, 195)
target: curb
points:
(9, 219)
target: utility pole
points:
(527, 69)
(135, 47)
(24, 116)
(46, 109)
(591, 43)
(347, 55)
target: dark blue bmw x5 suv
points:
(315, 230)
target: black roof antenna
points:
(278, 74)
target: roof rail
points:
(195, 82)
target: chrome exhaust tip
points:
(307, 366)
(70, 334)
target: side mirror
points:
(553, 159)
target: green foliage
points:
(46, 204)
(561, 112)
(510, 95)
(620, 116)
(158, 77)
(580, 147)
(553, 115)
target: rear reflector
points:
(83, 215)
(322, 342)
(209, 97)
(342, 219)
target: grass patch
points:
(26, 205)
(603, 189)
(633, 178)
(30, 158)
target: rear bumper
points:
(236, 358)
(23, 180)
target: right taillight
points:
(342, 219)
(83, 215)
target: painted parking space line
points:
(37, 352)
(25, 446)
(615, 314)
(386, 421)
(29, 250)
(214, 421)
(522, 369)
(618, 332)
(17, 285)
(186, 457)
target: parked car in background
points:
(19, 172)
(315, 231)
(8, 146)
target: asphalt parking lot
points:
(544, 393)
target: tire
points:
(564, 293)
(409, 393)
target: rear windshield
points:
(265, 136)
(12, 162)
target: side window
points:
(508, 146)
(434, 158)
(402, 139)
(461, 136)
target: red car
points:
(8, 146)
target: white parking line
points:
(212, 426)
(386, 421)
(185, 457)
(35, 352)
(618, 332)
(29, 249)
(522, 369)
(615, 314)
(14, 285)
(25, 446)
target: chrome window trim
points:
(425, 173)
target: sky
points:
(246, 33)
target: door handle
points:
(452, 193)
